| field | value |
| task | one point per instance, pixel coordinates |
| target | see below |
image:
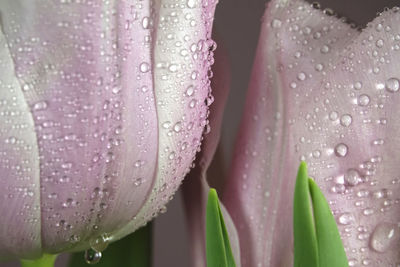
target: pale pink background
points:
(237, 22)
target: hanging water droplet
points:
(341, 150)
(92, 256)
(384, 236)
(392, 85)
(100, 243)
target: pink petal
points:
(19, 167)
(181, 64)
(196, 185)
(318, 94)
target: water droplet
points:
(144, 67)
(190, 90)
(74, 238)
(357, 85)
(379, 43)
(177, 127)
(276, 23)
(325, 49)
(384, 236)
(346, 120)
(346, 218)
(41, 105)
(301, 76)
(392, 85)
(191, 3)
(333, 116)
(341, 150)
(100, 243)
(166, 124)
(319, 67)
(352, 177)
(146, 22)
(92, 256)
(138, 181)
(363, 100)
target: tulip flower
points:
(325, 93)
(102, 109)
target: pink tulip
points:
(325, 93)
(102, 109)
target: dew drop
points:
(191, 3)
(146, 22)
(276, 23)
(352, 177)
(144, 67)
(363, 100)
(357, 85)
(346, 120)
(178, 127)
(346, 218)
(41, 105)
(138, 181)
(190, 90)
(392, 85)
(301, 76)
(92, 256)
(100, 243)
(384, 236)
(341, 150)
(379, 43)
(325, 49)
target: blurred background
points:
(237, 24)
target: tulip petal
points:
(19, 167)
(85, 67)
(182, 58)
(327, 94)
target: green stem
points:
(47, 260)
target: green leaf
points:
(305, 240)
(218, 248)
(317, 240)
(330, 247)
(47, 260)
(133, 250)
